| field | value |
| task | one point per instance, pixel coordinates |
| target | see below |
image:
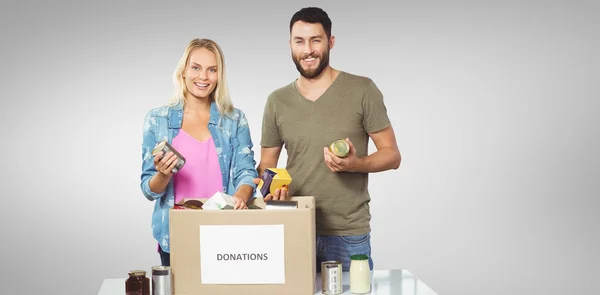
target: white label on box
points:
(242, 254)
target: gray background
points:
(495, 107)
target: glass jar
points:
(340, 148)
(360, 274)
(137, 283)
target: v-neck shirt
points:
(351, 107)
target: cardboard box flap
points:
(304, 202)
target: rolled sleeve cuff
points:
(148, 193)
(248, 180)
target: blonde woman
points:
(201, 123)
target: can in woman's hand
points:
(165, 147)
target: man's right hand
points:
(279, 194)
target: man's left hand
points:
(337, 164)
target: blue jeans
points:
(340, 248)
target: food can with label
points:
(340, 148)
(165, 147)
(331, 277)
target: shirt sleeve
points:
(375, 116)
(270, 136)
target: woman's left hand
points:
(239, 203)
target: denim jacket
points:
(234, 148)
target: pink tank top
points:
(200, 177)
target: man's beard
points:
(309, 74)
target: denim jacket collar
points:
(176, 115)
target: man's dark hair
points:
(312, 15)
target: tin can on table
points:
(165, 147)
(331, 277)
(340, 148)
(162, 280)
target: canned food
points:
(340, 148)
(331, 277)
(165, 147)
(162, 280)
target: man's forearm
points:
(260, 169)
(269, 156)
(381, 160)
(262, 166)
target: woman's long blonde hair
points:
(221, 93)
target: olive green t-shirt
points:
(350, 108)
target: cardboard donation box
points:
(253, 251)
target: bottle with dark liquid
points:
(137, 283)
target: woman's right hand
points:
(165, 165)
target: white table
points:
(387, 282)
(384, 282)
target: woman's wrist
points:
(244, 192)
